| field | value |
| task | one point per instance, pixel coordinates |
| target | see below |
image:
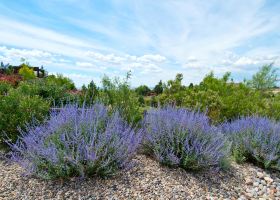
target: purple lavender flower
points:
(77, 142)
(255, 138)
(180, 137)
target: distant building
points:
(38, 71)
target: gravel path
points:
(147, 180)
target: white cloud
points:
(145, 64)
(84, 64)
(155, 38)
(111, 58)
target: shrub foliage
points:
(179, 137)
(255, 139)
(77, 142)
(16, 110)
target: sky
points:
(155, 40)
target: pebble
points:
(260, 174)
(264, 186)
(268, 179)
(147, 180)
(256, 184)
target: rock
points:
(260, 174)
(249, 195)
(248, 181)
(256, 184)
(268, 179)
(260, 193)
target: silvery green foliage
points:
(255, 139)
(179, 137)
(77, 142)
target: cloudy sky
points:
(85, 39)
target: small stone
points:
(249, 194)
(248, 181)
(268, 179)
(248, 190)
(260, 175)
(260, 193)
(272, 191)
(261, 186)
(255, 184)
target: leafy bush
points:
(16, 110)
(179, 137)
(52, 88)
(120, 97)
(223, 100)
(61, 81)
(26, 72)
(255, 139)
(143, 90)
(77, 142)
(4, 88)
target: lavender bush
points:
(255, 139)
(179, 137)
(77, 142)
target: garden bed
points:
(146, 180)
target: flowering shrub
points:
(26, 72)
(77, 142)
(179, 137)
(11, 79)
(255, 139)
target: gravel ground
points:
(147, 180)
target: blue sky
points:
(85, 39)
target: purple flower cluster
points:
(180, 137)
(77, 142)
(255, 139)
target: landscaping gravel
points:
(146, 180)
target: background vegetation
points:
(177, 121)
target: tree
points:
(143, 90)
(173, 91)
(265, 78)
(90, 93)
(158, 89)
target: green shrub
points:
(221, 99)
(4, 88)
(16, 110)
(61, 81)
(119, 96)
(143, 90)
(53, 89)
